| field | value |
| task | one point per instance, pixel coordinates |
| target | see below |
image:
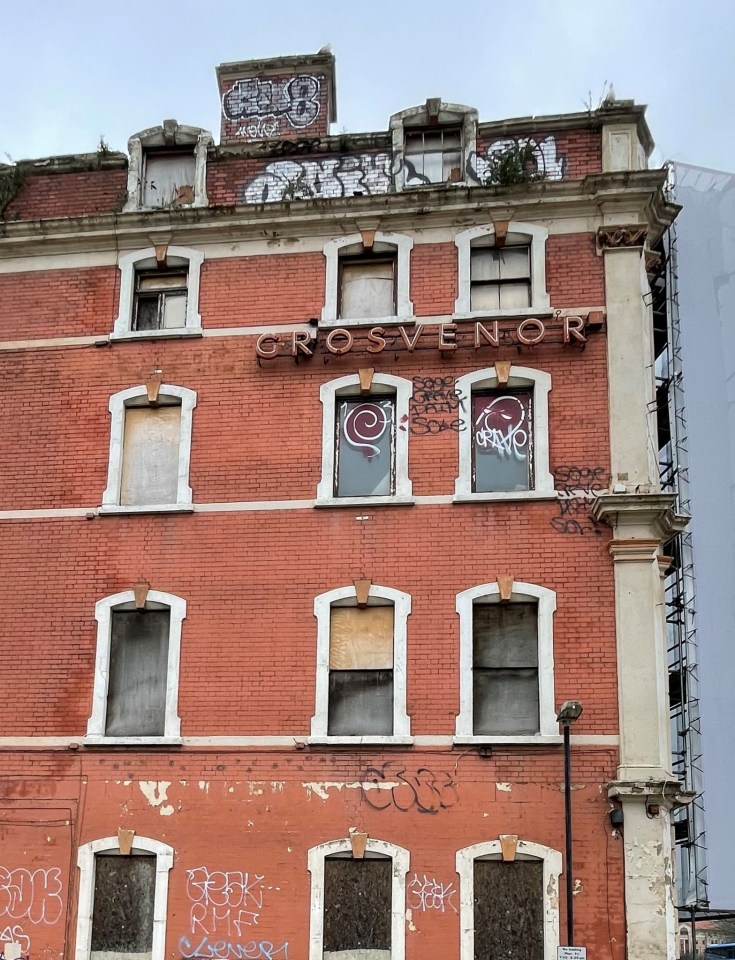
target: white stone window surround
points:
(383, 384)
(374, 848)
(531, 233)
(520, 377)
(322, 611)
(403, 245)
(86, 863)
(195, 138)
(546, 606)
(491, 850)
(450, 115)
(130, 264)
(103, 610)
(138, 396)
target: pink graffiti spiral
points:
(364, 425)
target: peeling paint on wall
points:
(155, 792)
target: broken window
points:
(365, 447)
(168, 178)
(433, 155)
(502, 441)
(500, 277)
(160, 300)
(508, 909)
(367, 286)
(361, 670)
(136, 693)
(122, 915)
(150, 463)
(357, 908)
(505, 683)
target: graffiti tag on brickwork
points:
(436, 406)
(577, 488)
(260, 104)
(426, 894)
(392, 785)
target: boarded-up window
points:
(500, 277)
(509, 910)
(160, 300)
(367, 287)
(169, 179)
(433, 155)
(361, 671)
(502, 441)
(357, 906)
(151, 455)
(365, 447)
(122, 918)
(505, 668)
(136, 696)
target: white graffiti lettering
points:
(545, 157)
(224, 901)
(227, 950)
(296, 99)
(428, 894)
(499, 427)
(15, 934)
(32, 895)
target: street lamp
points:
(569, 711)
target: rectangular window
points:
(365, 447)
(361, 671)
(367, 287)
(500, 277)
(357, 907)
(433, 155)
(122, 918)
(169, 178)
(502, 441)
(151, 455)
(508, 909)
(160, 300)
(136, 693)
(505, 683)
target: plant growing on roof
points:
(516, 164)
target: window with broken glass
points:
(136, 692)
(160, 299)
(505, 682)
(500, 277)
(122, 917)
(361, 670)
(502, 441)
(365, 447)
(508, 909)
(367, 286)
(357, 907)
(433, 155)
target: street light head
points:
(569, 711)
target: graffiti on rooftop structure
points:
(261, 104)
(371, 174)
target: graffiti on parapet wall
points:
(426, 893)
(577, 488)
(392, 785)
(261, 103)
(30, 895)
(436, 406)
(370, 174)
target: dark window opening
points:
(367, 286)
(357, 904)
(502, 441)
(500, 277)
(365, 447)
(122, 915)
(433, 155)
(509, 910)
(136, 695)
(160, 300)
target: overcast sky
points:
(72, 71)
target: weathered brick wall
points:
(46, 196)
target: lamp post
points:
(569, 711)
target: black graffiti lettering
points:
(392, 785)
(253, 99)
(577, 489)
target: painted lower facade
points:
(319, 495)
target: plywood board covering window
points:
(508, 909)
(150, 455)
(169, 179)
(505, 668)
(136, 697)
(122, 917)
(367, 288)
(357, 908)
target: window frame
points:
(87, 873)
(103, 615)
(532, 234)
(440, 129)
(401, 860)
(117, 405)
(322, 611)
(170, 136)
(348, 387)
(492, 850)
(521, 378)
(142, 261)
(442, 115)
(402, 244)
(546, 607)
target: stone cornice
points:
(668, 793)
(652, 512)
(625, 236)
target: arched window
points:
(437, 142)
(136, 679)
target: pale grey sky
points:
(73, 71)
